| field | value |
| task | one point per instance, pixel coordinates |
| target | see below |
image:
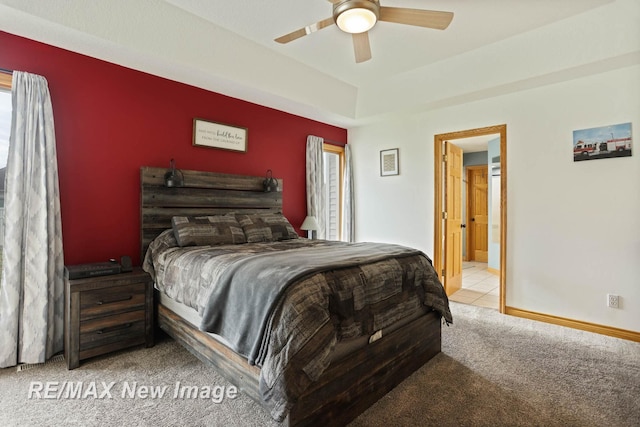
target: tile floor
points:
(479, 287)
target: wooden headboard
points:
(203, 193)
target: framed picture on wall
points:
(602, 143)
(389, 163)
(219, 135)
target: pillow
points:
(207, 230)
(165, 240)
(266, 227)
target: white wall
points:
(573, 228)
(378, 215)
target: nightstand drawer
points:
(107, 313)
(112, 329)
(116, 299)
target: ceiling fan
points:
(357, 17)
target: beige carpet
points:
(494, 370)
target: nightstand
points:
(107, 313)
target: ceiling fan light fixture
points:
(357, 17)
(354, 17)
(356, 21)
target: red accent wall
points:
(111, 120)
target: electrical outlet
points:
(613, 301)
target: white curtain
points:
(32, 287)
(316, 205)
(348, 211)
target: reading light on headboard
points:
(173, 177)
(270, 183)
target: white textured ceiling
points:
(491, 47)
(395, 48)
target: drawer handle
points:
(113, 328)
(111, 301)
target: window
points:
(333, 175)
(5, 128)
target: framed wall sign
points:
(389, 164)
(218, 135)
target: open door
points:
(452, 217)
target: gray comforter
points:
(285, 305)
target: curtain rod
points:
(4, 70)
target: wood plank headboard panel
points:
(203, 193)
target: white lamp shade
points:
(357, 20)
(309, 223)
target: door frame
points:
(438, 253)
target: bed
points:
(325, 377)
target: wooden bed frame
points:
(350, 385)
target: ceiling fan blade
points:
(305, 31)
(361, 47)
(420, 18)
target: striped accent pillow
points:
(266, 227)
(207, 230)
